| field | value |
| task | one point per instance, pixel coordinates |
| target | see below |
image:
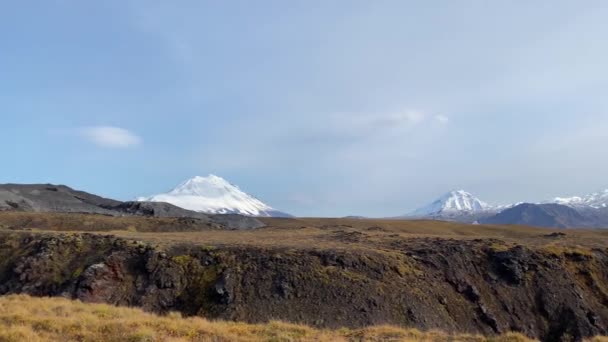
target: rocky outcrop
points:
(477, 286)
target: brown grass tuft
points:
(27, 319)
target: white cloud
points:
(365, 121)
(108, 136)
(442, 119)
(409, 118)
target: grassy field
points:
(27, 319)
(302, 232)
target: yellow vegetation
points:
(558, 250)
(27, 319)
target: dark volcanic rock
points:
(510, 265)
(555, 235)
(155, 209)
(101, 282)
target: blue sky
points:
(323, 108)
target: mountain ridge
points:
(589, 211)
(594, 200)
(549, 215)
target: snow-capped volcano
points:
(214, 195)
(453, 203)
(595, 200)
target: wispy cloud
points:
(111, 137)
(404, 118)
(397, 121)
(442, 119)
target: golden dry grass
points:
(333, 234)
(27, 319)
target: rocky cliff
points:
(481, 285)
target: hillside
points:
(327, 273)
(540, 215)
(52, 198)
(551, 215)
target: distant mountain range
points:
(215, 200)
(590, 211)
(595, 200)
(215, 195)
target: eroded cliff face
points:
(481, 286)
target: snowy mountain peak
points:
(211, 185)
(214, 195)
(595, 200)
(458, 201)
